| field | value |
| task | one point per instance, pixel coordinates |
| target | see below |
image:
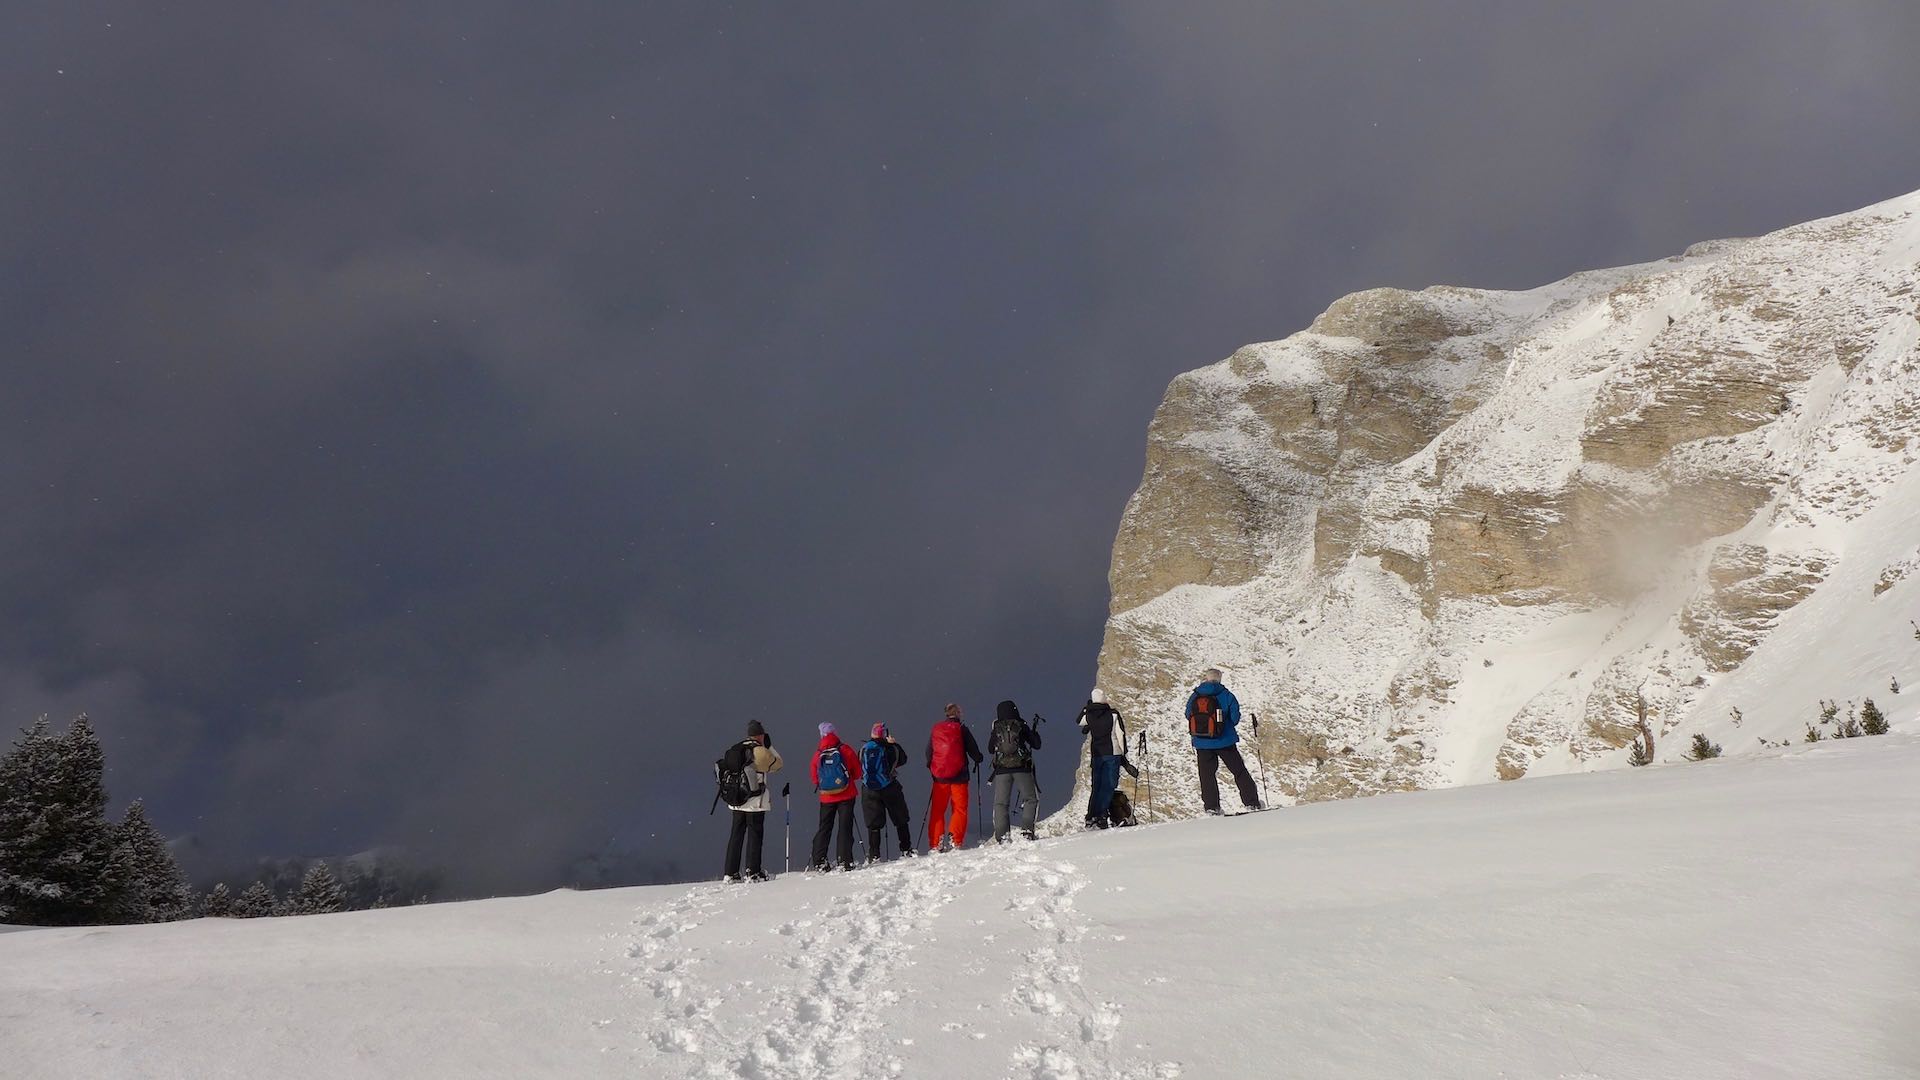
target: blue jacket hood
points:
(1209, 687)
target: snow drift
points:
(1744, 919)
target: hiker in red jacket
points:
(949, 750)
(836, 775)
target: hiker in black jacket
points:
(1011, 748)
(1106, 754)
(881, 796)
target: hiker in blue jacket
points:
(1213, 721)
(881, 796)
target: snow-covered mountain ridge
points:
(1455, 535)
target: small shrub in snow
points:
(1894, 685)
(1736, 715)
(1872, 720)
(1703, 748)
(1850, 727)
(1642, 752)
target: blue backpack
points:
(833, 772)
(876, 765)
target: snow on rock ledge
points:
(1456, 535)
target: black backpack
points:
(1009, 748)
(730, 773)
(1204, 719)
(1120, 810)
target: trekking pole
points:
(980, 800)
(786, 792)
(1146, 766)
(1257, 756)
(933, 838)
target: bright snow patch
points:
(1736, 918)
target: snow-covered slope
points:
(1745, 918)
(1457, 535)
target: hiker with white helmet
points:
(836, 773)
(1106, 752)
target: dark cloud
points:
(442, 424)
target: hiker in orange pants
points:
(951, 751)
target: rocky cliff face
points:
(1457, 535)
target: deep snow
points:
(1746, 918)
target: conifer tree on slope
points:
(155, 891)
(256, 902)
(219, 903)
(1872, 720)
(319, 893)
(57, 864)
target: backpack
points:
(1009, 749)
(949, 751)
(1204, 720)
(730, 773)
(833, 772)
(1120, 810)
(876, 765)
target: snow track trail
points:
(834, 995)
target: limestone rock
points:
(1455, 535)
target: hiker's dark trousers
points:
(1103, 772)
(836, 821)
(749, 829)
(1210, 781)
(888, 802)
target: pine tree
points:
(319, 893)
(57, 864)
(257, 902)
(155, 890)
(1872, 720)
(1703, 748)
(219, 903)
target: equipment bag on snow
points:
(1009, 749)
(876, 765)
(833, 772)
(1204, 719)
(734, 777)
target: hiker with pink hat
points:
(881, 794)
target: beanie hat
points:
(880, 731)
(826, 728)
(754, 730)
(953, 711)
(1099, 696)
(1007, 710)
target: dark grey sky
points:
(445, 424)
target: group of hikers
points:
(870, 775)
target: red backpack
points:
(949, 750)
(1203, 718)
